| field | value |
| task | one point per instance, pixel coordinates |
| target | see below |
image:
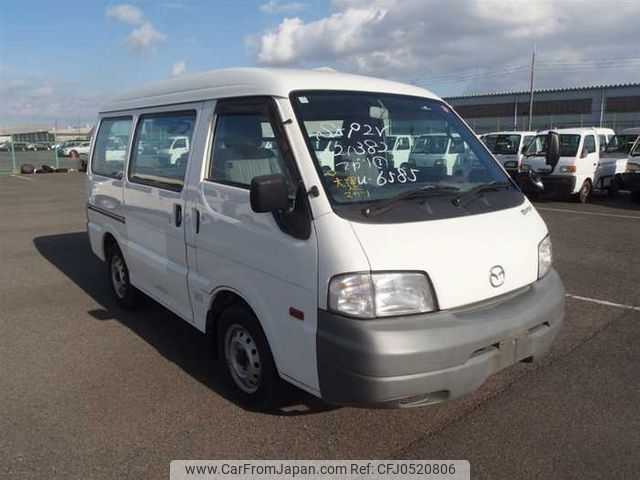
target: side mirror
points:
(553, 149)
(268, 193)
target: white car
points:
(174, 147)
(372, 284)
(81, 148)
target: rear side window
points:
(244, 147)
(110, 151)
(155, 160)
(590, 144)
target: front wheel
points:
(584, 195)
(249, 364)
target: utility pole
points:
(533, 69)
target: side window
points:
(154, 159)
(526, 141)
(110, 151)
(181, 143)
(403, 144)
(589, 144)
(244, 147)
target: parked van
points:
(581, 169)
(631, 178)
(509, 147)
(365, 283)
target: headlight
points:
(371, 295)
(544, 257)
(568, 169)
(525, 167)
(511, 164)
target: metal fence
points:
(39, 157)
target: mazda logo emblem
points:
(496, 276)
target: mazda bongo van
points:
(360, 279)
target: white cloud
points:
(179, 68)
(144, 37)
(473, 45)
(125, 13)
(44, 91)
(273, 7)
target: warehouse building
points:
(614, 106)
(43, 134)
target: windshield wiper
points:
(382, 206)
(464, 198)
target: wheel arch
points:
(222, 298)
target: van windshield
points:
(502, 144)
(568, 146)
(367, 162)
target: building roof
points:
(237, 82)
(544, 90)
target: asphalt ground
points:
(88, 390)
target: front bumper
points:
(556, 185)
(426, 359)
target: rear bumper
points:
(425, 359)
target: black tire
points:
(635, 196)
(584, 195)
(615, 186)
(127, 295)
(27, 168)
(248, 363)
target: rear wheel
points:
(615, 186)
(584, 195)
(249, 364)
(126, 294)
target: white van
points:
(582, 166)
(363, 284)
(509, 147)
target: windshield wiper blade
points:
(377, 208)
(464, 198)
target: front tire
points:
(584, 195)
(248, 362)
(127, 295)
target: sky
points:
(61, 60)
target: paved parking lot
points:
(89, 390)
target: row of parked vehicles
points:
(590, 159)
(65, 149)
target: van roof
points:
(242, 82)
(570, 131)
(512, 132)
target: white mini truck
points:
(360, 281)
(509, 147)
(582, 165)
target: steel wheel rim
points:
(243, 358)
(118, 276)
(585, 190)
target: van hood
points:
(458, 253)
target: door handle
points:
(178, 214)
(197, 215)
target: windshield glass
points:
(621, 144)
(568, 145)
(368, 162)
(503, 144)
(635, 150)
